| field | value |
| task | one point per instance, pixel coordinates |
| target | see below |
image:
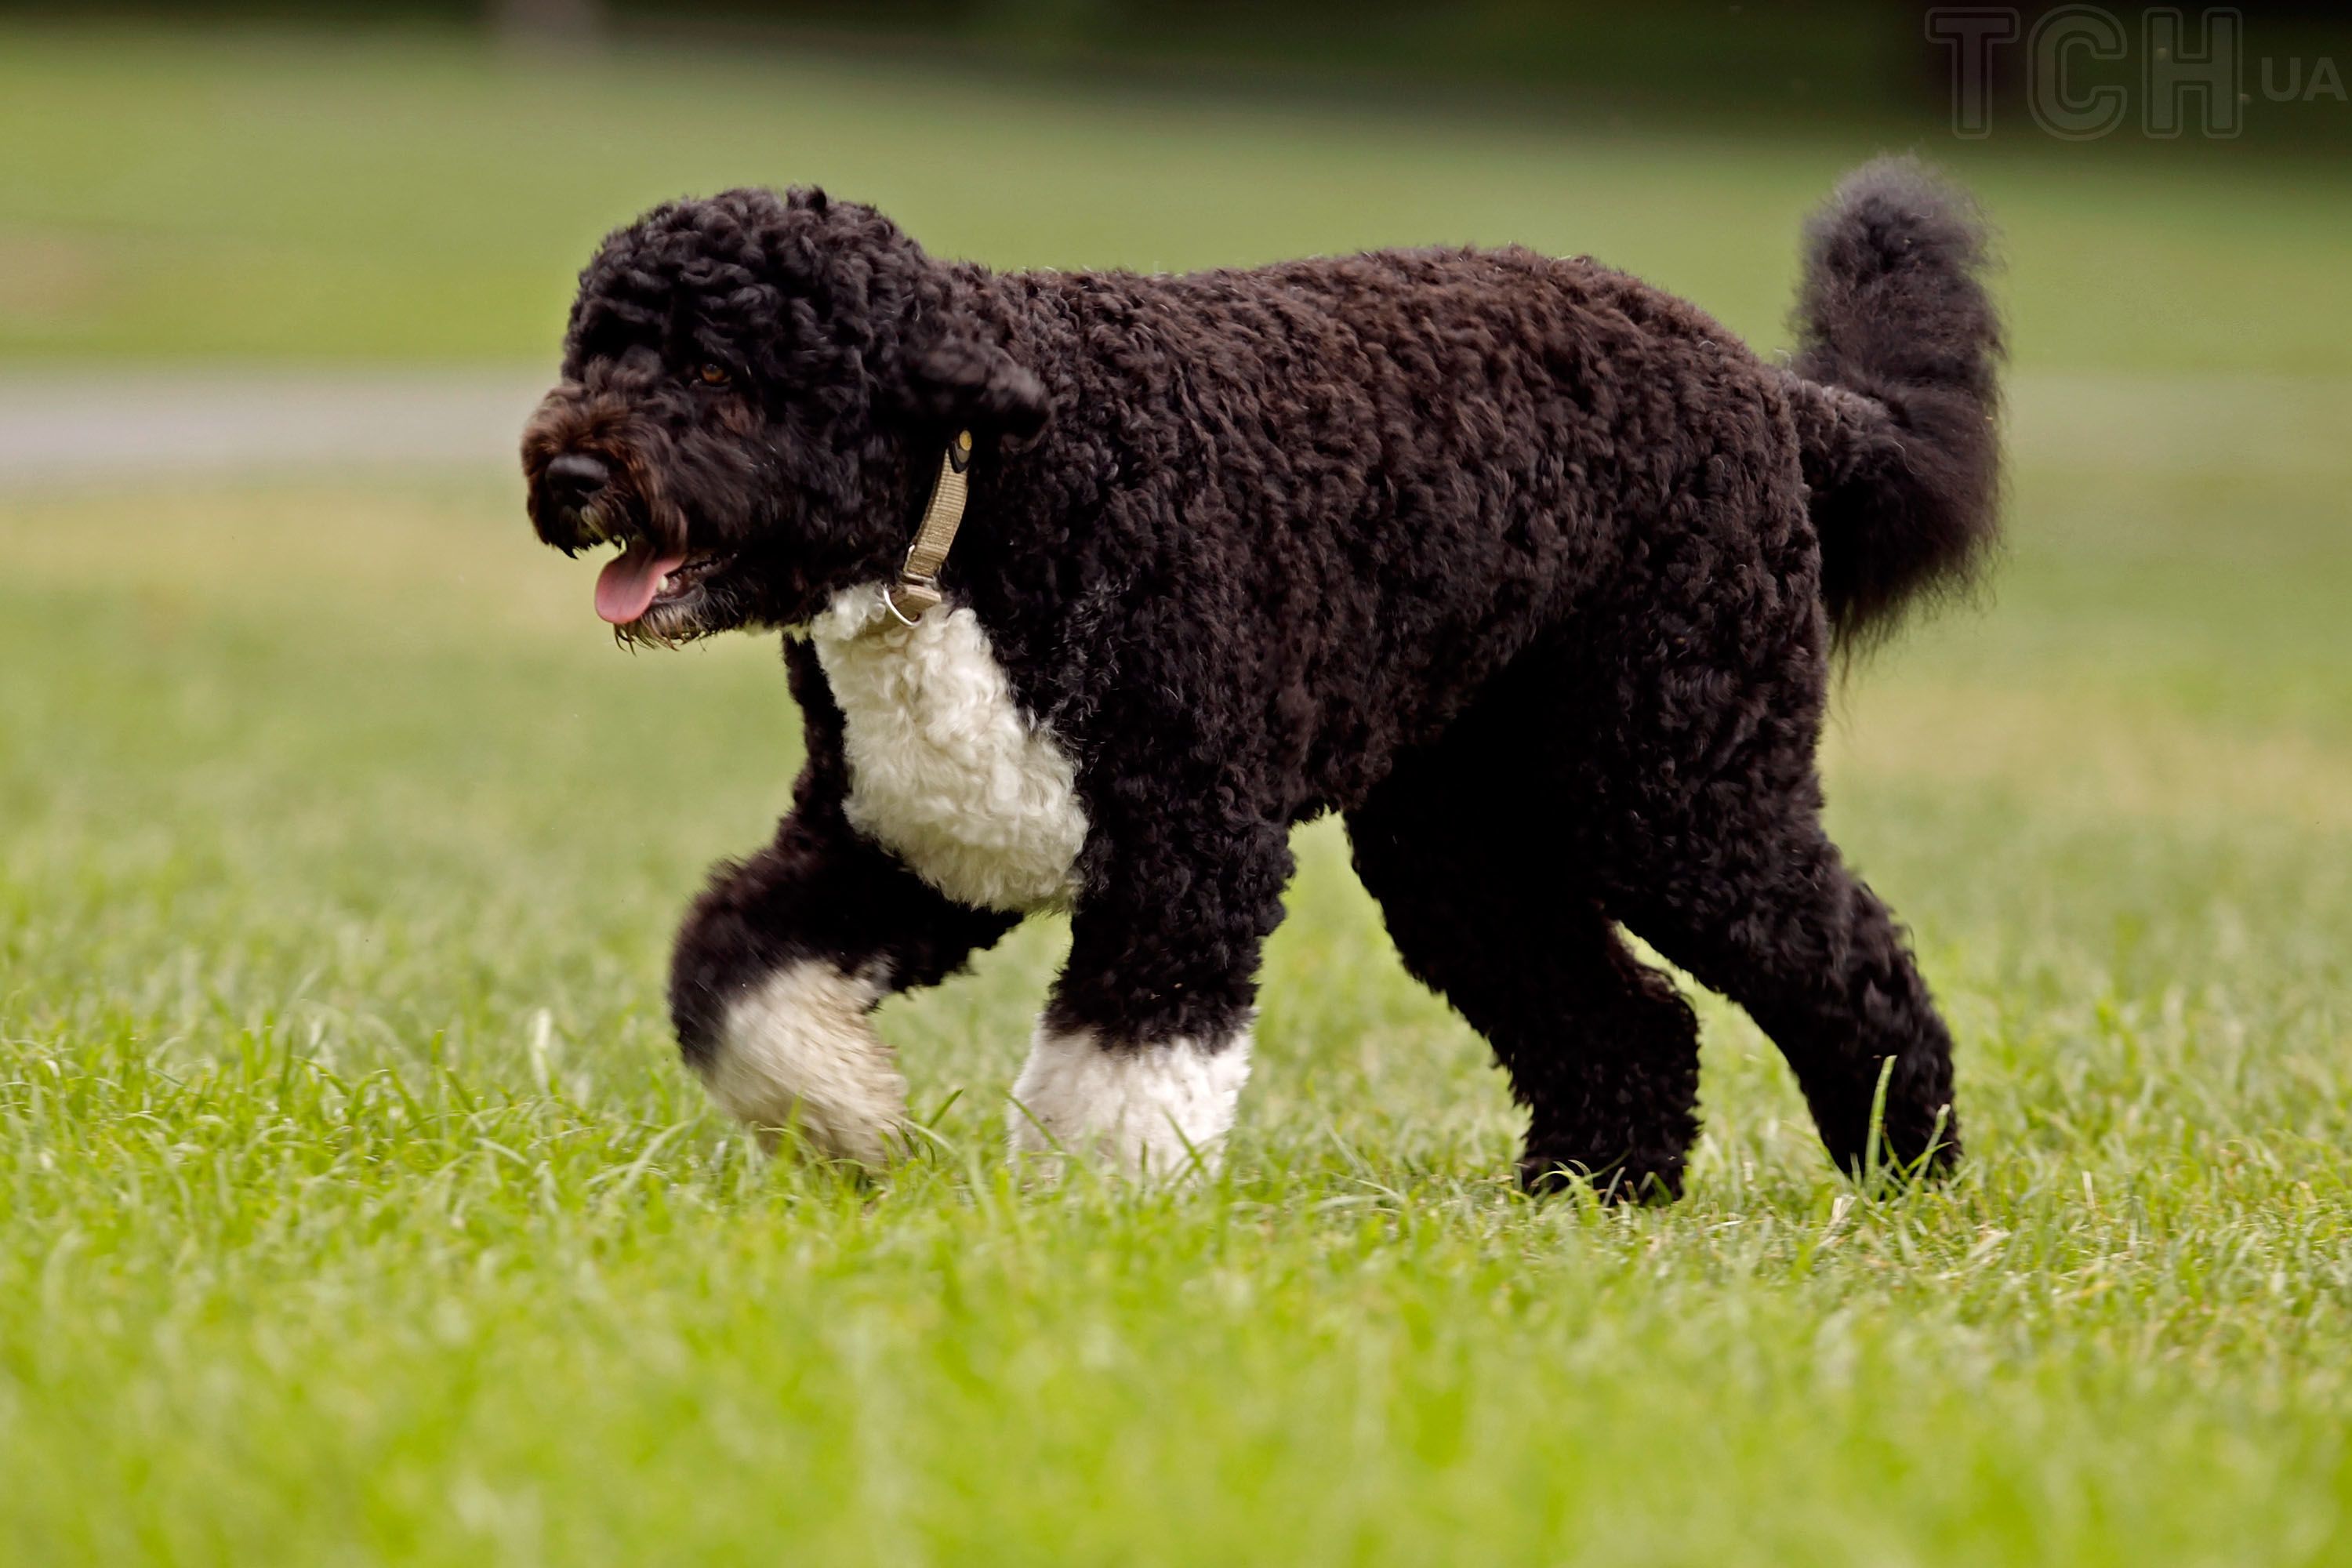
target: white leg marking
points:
(800, 1051)
(1141, 1110)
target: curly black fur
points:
(1529, 569)
(1896, 393)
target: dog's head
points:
(756, 390)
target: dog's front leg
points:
(780, 964)
(1139, 1059)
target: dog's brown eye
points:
(715, 375)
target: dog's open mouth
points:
(641, 578)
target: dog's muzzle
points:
(571, 482)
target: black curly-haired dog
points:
(1530, 570)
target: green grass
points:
(355, 1208)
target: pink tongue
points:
(627, 584)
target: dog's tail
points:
(1898, 348)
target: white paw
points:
(800, 1052)
(1155, 1111)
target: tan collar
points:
(917, 588)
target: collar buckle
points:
(921, 593)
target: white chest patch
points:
(945, 771)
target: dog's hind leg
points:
(780, 962)
(1767, 914)
(1493, 914)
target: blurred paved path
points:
(145, 428)
(149, 426)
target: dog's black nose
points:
(573, 478)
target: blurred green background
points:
(425, 193)
(352, 1207)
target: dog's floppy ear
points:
(966, 383)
